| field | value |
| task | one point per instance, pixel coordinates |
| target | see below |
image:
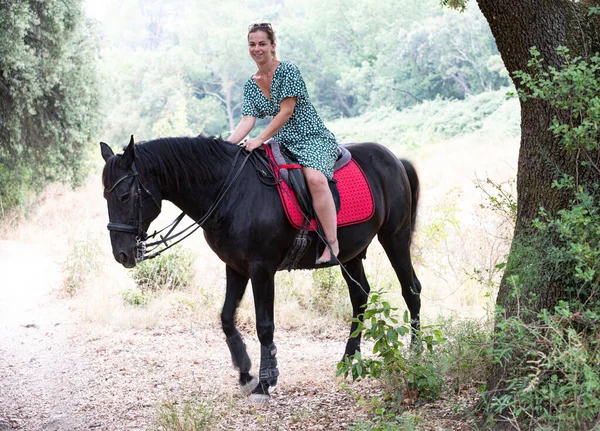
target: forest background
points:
(169, 69)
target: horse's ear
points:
(106, 151)
(129, 153)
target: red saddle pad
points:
(356, 198)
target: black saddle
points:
(295, 178)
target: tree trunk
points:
(545, 24)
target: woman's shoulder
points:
(287, 65)
(249, 83)
(287, 68)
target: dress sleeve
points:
(293, 85)
(248, 106)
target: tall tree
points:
(547, 25)
(48, 93)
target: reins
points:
(141, 246)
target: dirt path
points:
(59, 373)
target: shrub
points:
(410, 373)
(171, 270)
(550, 356)
(194, 415)
(82, 264)
(466, 355)
(329, 286)
(554, 354)
(136, 298)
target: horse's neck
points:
(195, 199)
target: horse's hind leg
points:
(359, 294)
(397, 248)
(236, 286)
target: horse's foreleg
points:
(397, 248)
(359, 294)
(236, 286)
(263, 286)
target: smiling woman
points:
(278, 90)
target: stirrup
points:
(333, 260)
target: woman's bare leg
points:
(324, 207)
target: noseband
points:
(136, 229)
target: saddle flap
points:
(291, 173)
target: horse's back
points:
(393, 189)
(375, 159)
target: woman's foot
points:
(326, 256)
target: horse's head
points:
(133, 203)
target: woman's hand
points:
(253, 144)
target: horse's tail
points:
(413, 179)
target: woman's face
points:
(260, 47)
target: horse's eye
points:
(124, 198)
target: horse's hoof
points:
(248, 387)
(259, 399)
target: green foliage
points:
(411, 372)
(501, 198)
(450, 363)
(192, 81)
(329, 285)
(193, 415)
(82, 265)
(574, 88)
(388, 420)
(552, 377)
(466, 354)
(13, 187)
(550, 357)
(460, 5)
(136, 298)
(172, 270)
(48, 95)
(487, 113)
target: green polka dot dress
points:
(304, 134)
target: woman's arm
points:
(286, 109)
(243, 128)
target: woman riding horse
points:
(202, 176)
(278, 90)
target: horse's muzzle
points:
(127, 260)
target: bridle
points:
(141, 247)
(126, 228)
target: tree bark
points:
(545, 24)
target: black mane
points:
(181, 162)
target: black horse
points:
(248, 228)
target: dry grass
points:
(471, 238)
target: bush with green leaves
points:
(554, 355)
(136, 298)
(465, 356)
(551, 358)
(191, 415)
(329, 286)
(171, 270)
(409, 371)
(82, 264)
(554, 379)
(488, 113)
(49, 95)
